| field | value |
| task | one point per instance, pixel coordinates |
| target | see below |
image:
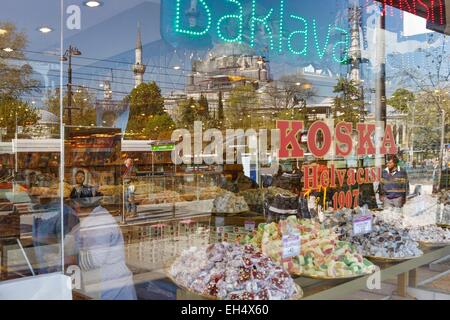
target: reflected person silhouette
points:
(101, 251)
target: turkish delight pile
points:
(321, 254)
(232, 272)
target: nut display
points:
(232, 272)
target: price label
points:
(362, 225)
(291, 246)
(250, 226)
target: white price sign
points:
(362, 225)
(249, 225)
(291, 246)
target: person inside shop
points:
(99, 243)
(241, 182)
(129, 176)
(81, 190)
(394, 185)
(46, 230)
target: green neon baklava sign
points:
(296, 28)
(161, 148)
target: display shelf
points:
(334, 289)
(320, 290)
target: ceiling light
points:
(177, 67)
(8, 50)
(92, 4)
(45, 29)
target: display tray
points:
(375, 259)
(297, 296)
(305, 275)
(425, 244)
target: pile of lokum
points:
(320, 253)
(232, 272)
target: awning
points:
(436, 12)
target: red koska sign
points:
(320, 139)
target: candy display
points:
(228, 202)
(321, 254)
(111, 190)
(431, 235)
(308, 230)
(144, 188)
(417, 212)
(161, 197)
(232, 272)
(255, 198)
(209, 192)
(52, 191)
(385, 241)
(404, 219)
(333, 259)
(273, 193)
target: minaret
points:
(355, 46)
(138, 68)
(107, 92)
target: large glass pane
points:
(32, 224)
(192, 122)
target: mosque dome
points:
(231, 49)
